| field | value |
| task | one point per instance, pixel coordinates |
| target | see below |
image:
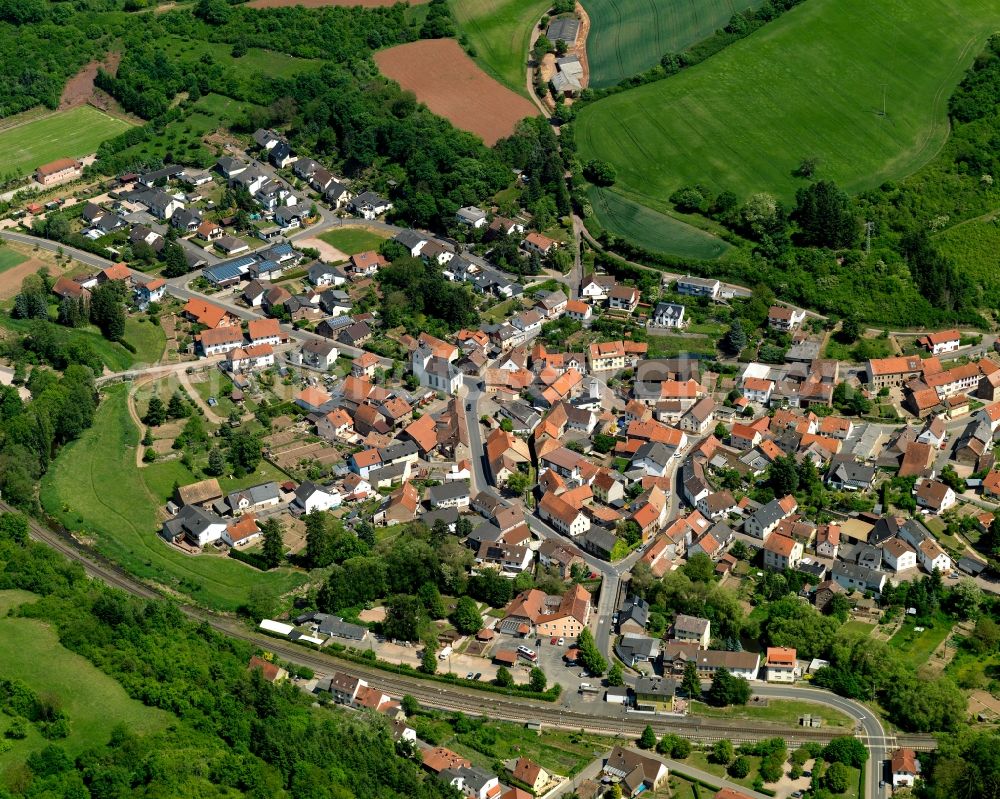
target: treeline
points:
(61, 408)
(234, 733)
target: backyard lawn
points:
(917, 647)
(95, 488)
(562, 752)
(94, 702)
(352, 240)
(857, 628)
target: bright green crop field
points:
(499, 32)
(810, 84)
(630, 36)
(651, 229)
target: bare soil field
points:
(324, 3)
(327, 252)
(440, 73)
(80, 88)
(10, 279)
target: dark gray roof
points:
(398, 449)
(453, 489)
(769, 514)
(635, 609)
(410, 238)
(565, 28)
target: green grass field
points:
(95, 487)
(499, 32)
(92, 700)
(10, 258)
(651, 229)
(61, 134)
(149, 341)
(255, 60)
(672, 346)
(630, 36)
(352, 240)
(810, 84)
(857, 628)
(973, 246)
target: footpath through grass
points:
(630, 36)
(95, 488)
(651, 229)
(499, 32)
(810, 84)
(93, 701)
(63, 134)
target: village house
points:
(636, 773)
(904, 767)
(780, 664)
(699, 287)
(940, 343)
(780, 317)
(693, 629)
(782, 552)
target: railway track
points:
(604, 719)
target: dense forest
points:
(234, 733)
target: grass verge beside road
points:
(784, 711)
(94, 488)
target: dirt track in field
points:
(441, 75)
(79, 89)
(324, 3)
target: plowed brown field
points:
(440, 73)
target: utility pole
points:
(869, 226)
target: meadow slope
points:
(810, 84)
(499, 32)
(629, 36)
